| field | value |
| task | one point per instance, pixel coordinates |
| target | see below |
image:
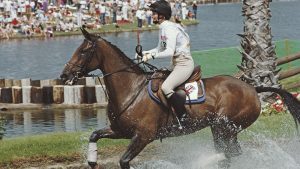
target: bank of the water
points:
(109, 28)
(70, 148)
(51, 148)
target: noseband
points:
(87, 54)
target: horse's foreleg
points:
(225, 141)
(95, 136)
(136, 146)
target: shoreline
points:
(126, 27)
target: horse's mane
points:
(123, 56)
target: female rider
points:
(174, 42)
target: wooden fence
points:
(291, 72)
(47, 92)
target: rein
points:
(140, 87)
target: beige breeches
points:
(181, 72)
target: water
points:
(259, 152)
(219, 24)
(22, 123)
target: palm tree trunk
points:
(258, 66)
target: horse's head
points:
(83, 61)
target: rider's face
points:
(155, 17)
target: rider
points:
(174, 42)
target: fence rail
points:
(291, 72)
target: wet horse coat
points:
(231, 105)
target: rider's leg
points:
(179, 75)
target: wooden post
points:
(6, 95)
(89, 93)
(100, 95)
(58, 94)
(26, 94)
(68, 95)
(78, 94)
(81, 81)
(45, 83)
(36, 83)
(25, 82)
(36, 95)
(16, 94)
(2, 83)
(98, 82)
(90, 81)
(54, 82)
(8, 82)
(16, 83)
(47, 94)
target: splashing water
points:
(258, 152)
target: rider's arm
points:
(169, 34)
(166, 45)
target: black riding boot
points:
(177, 103)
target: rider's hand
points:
(146, 57)
(137, 56)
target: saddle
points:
(159, 76)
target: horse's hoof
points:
(94, 165)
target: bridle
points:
(88, 53)
(81, 69)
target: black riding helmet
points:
(162, 7)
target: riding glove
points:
(137, 56)
(146, 57)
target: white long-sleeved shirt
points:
(173, 41)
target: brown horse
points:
(231, 105)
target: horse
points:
(231, 105)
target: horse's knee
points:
(94, 137)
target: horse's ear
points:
(86, 34)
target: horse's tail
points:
(292, 103)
